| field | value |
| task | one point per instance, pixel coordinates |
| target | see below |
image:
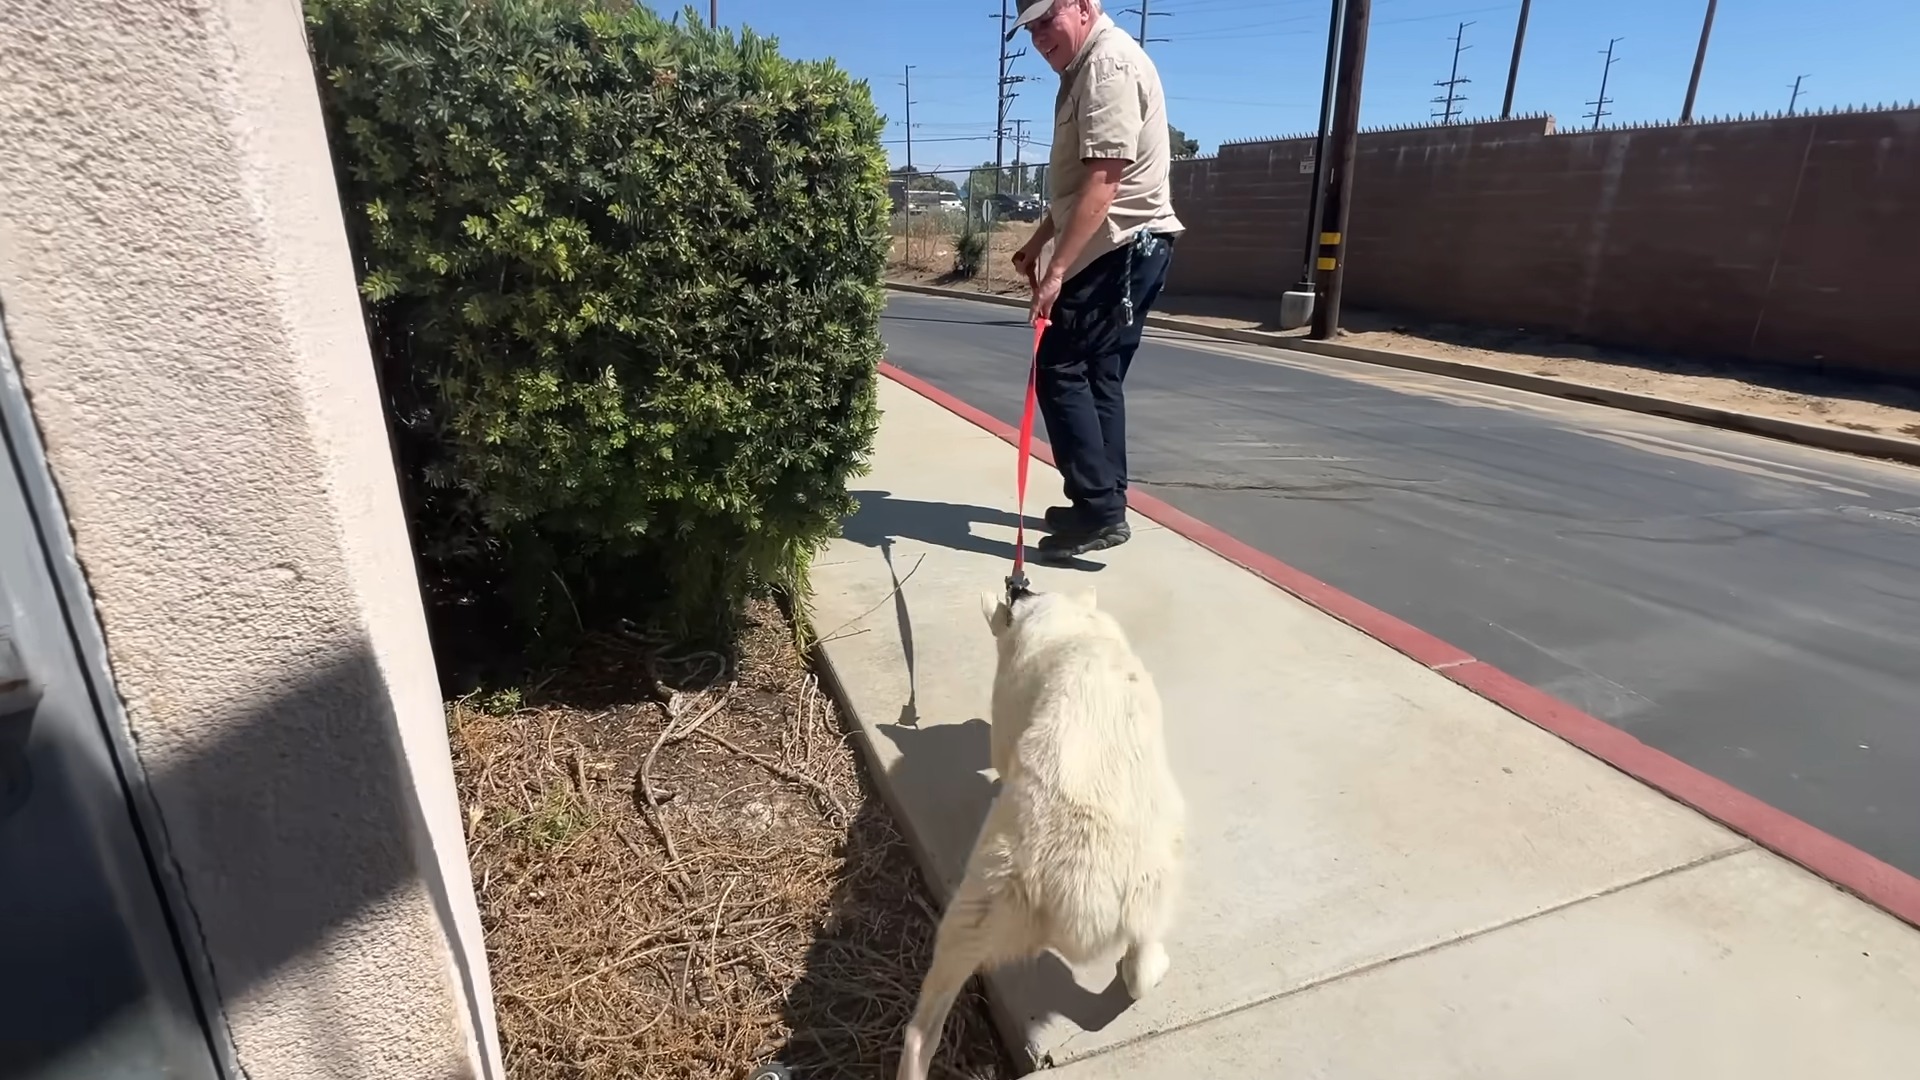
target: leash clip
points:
(1017, 587)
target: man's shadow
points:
(883, 517)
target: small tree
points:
(624, 277)
(1183, 147)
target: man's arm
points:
(1089, 214)
(1107, 129)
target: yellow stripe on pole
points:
(1329, 238)
(1327, 263)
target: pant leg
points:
(1148, 277)
(1075, 354)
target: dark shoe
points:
(1068, 545)
(1062, 519)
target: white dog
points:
(1082, 850)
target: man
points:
(1112, 228)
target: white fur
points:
(1082, 850)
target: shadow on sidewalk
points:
(884, 517)
(946, 764)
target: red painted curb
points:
(1839, 862)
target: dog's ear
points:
(998, 615)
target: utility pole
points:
(1297, 303)
(1019, 156)
(1513, 69)
(1145, 13)
(1795, 99)
(1346, 144)
(1003, 98)
(908, 83)
(713, 13)
(1600, 106)
(1453, 80)
(1699, 61)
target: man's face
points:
(1058, 35)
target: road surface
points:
(1751, 607)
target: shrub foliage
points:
(970, 250)
(624, 277)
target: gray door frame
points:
(105, 974)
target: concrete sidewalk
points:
(1388, 877)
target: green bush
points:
(624, 278)
(970, 251)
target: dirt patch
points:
(926, 258)
(690, 903)
(1857, 404)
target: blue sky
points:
(1239, 69)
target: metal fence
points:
(965, 224)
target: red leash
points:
(1017, 583)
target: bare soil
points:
(1859, 404)
(931, 261)
(689, 883)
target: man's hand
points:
(1045, 294)
(1027, 259)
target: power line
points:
(1145, 11)
(1600, 106)
(1454, 80)
(943, 139)
(1238, 33)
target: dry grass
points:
(927, 257)
(689, 884)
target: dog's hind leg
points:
(1150, 912)
(1144, 966)
(980, 929)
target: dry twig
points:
(787, 923)
(891, 593)
(778, 769)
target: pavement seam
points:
(1742, 847)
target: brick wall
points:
(1792, 239)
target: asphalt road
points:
(1748, 606)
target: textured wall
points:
(178, 294)
(1790, 240)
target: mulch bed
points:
(692, 882)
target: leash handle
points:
(1017, 582)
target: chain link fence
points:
(962, 226)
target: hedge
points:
(623, 275)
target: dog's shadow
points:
(949, 764)
(946, 765)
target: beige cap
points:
(1029, 11)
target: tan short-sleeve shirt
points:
(1111, 106)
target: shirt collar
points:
(1100, 26)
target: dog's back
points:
(1081, 852)
(1095, 816)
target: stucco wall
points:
(178, 294)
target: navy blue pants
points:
(1084, 357)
